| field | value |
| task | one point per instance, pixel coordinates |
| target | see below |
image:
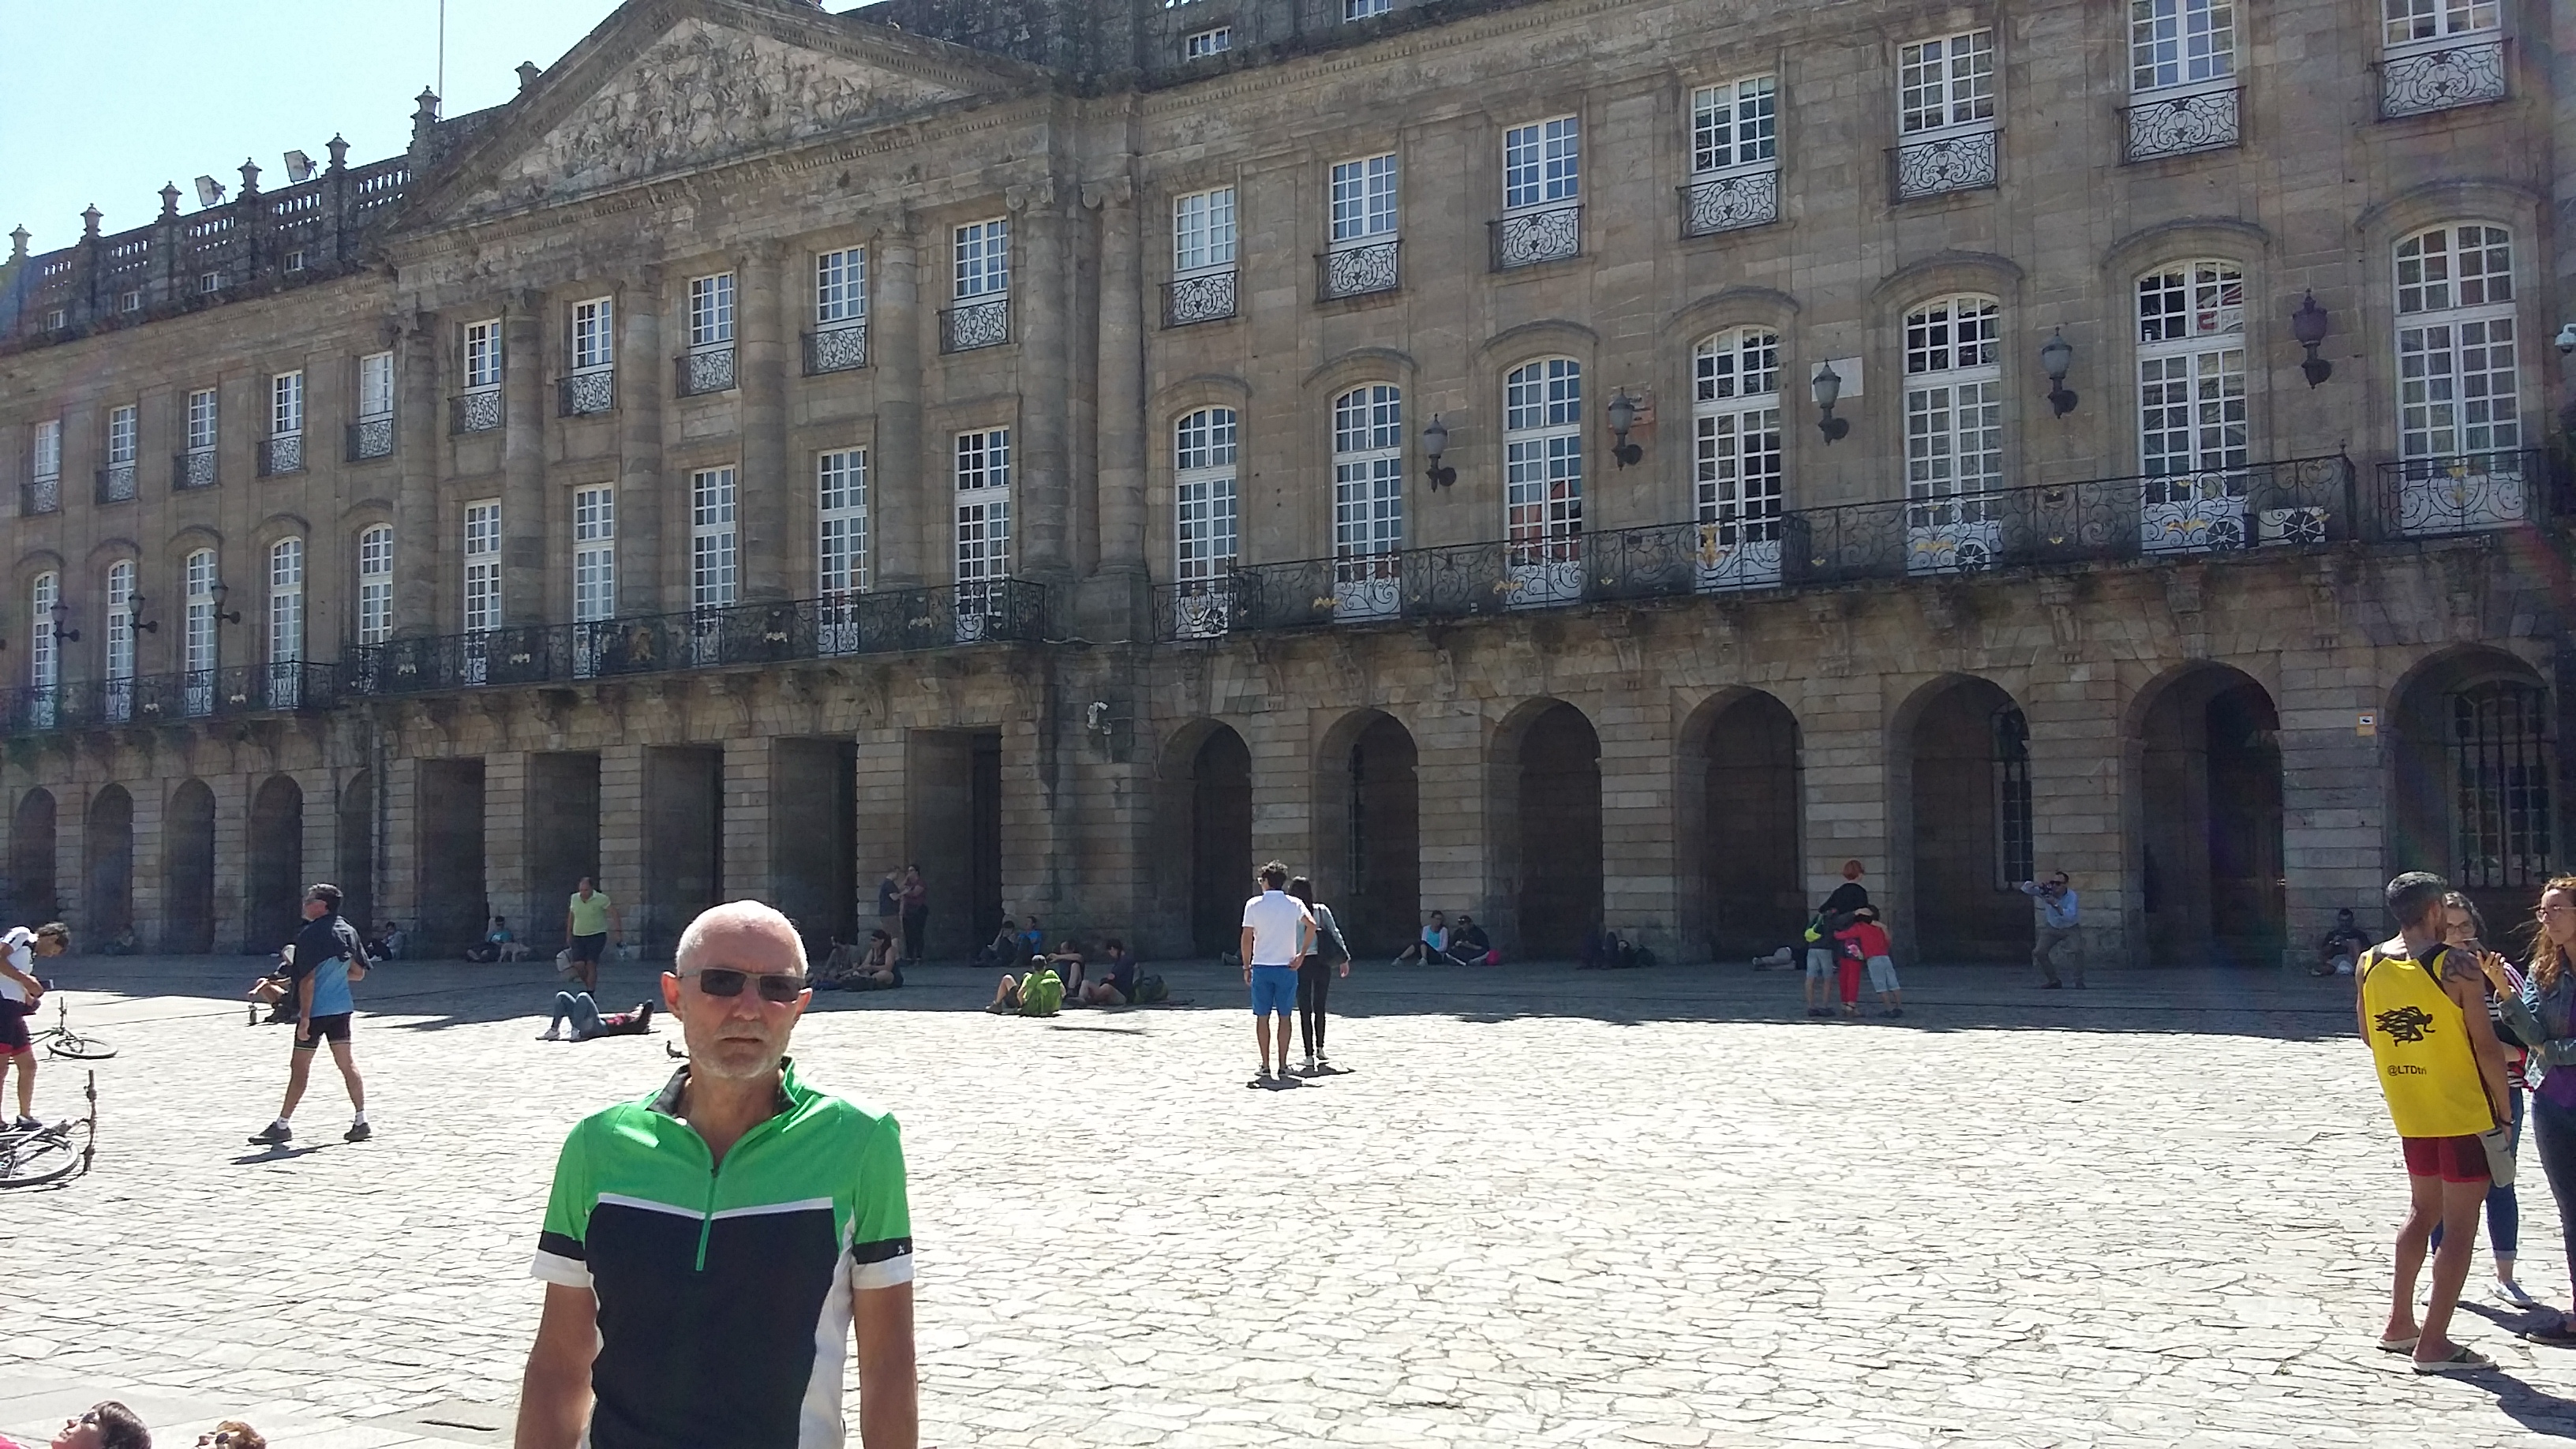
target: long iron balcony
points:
(2262, 506)
(734, 635)
(156, 699)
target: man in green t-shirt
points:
(708, 1250)
(592, 924)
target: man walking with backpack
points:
(1277, 932)
(328, 957)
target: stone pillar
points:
(622, 833)
(881, 803)
(321, 791)
(1638, 825)
(523, 461)
(2334, 802)
(71, 864)
(505, 837)
(232, 857)
(1449, 739)
(642, 377)
(1844, 776)
(419, 428)
(1118, 604)
(1041, 289)
(900, 508)
(397, 869)
(1281, 742)
(150, 923)
(2076, 775)
(764, 505)
(746, 856)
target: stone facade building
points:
(1555, 459)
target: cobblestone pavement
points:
(1657, 1207)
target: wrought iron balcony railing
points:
(1359, 270)
(1206, 297)
(2301, 501)
(475, 412)
(281, 455)
(115, 483)
(40, 495)
(1731, 200)
(705, 370)
(1967, 161)
(2465, 493)
(736, 635)
(838, 348)
(371, 438)
(2424, 81)
(192, 469)
(586, 394)
(2161, 126)
(1527, 238)
(969, 325)
(152, 699)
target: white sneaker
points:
(549, 1034)
(2511, 1292)
(1310, 1066)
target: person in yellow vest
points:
(2423, 1011)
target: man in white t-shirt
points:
(1276, 931)
(19, 993)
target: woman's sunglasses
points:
(725, 981)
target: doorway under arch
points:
(2209, 821)
(276, 864)
(1368, 838)
(107, 866)
(1967, 755)
(188, 870)
(2472, 790)
(1553, 762)
(1216, 855)
(31, 859)
(1738, 809)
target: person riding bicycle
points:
(19, 993)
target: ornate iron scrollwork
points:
(589, 393)
(478, 412)
(1944, 164)
(1208, 297)
(836, 349)
(1728, 203)
(965, 327)
(2437, 80)
(193, 470)
(42, 495)
(116, 483)
(281, 455)
(710, 370)
(2183, 124)
(1358, 271)
(1528, 238)
(371, 438)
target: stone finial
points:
(528, 73)
(89, 220)
(339, 149)
(423, 117)
(250, 179)
(17, 243)
(169, 200)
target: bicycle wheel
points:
(79, 1048)
(34, 1158)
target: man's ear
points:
(671, 992)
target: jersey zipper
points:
(715, 1180)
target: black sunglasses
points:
(725, 981)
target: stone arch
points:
(1203, 839)
(2205, 821)
(1368, 839)
(107, 866)
(355, 870)
(2472, 786)
(188, 870)
(1961, 821)
(275, 857)
(1737, 806)
(33, 899)
(1545, 826)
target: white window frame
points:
(1953, 363)
(1543, 459)
(2456, 307)
(198, 578)
(44, 656)
(1739, 461)
(124, 434)
(481, 594)
(45, 453)
(2177, 46)
(1735, 125)
(375, 583)
(2407, 25)
(286, 405)
(1945, 85)
(119, 644)
(1368, 481)
(202, 419)
(841, 523)
(2191, 402)
(594, 553)
(130, 301)
(711, 312)
(1364, 9)
(286, 601)
(1543, 164)
(1203, 232)
(1215, 40)
(841, 288)
(982, 482)
(483, 355)
(715, 573)
(210, 283)
(1206, 449)
(1366, 200)
(981, 252)
(594, 335)
(375, 386)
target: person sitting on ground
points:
(1006, 997)
(1035, 936)
(1599, 949)
(2341, 946)
(1068, 963)
(1116, 983)
(125, 944)
(860, 968)
(107, 1425)
(388, 944)
(232, 1434)
(1432, 946)
(583, 1014)
(275, 990)
(1007, 950)
(497, 944)
(1470, 946)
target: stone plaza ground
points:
(1657, 1207)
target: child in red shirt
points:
(1864, 943)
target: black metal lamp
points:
(62, 635)
(1435, 442)
(1828, 385)
(134, 616)
(2308, 324)
(2055, 356)
(1623, 416)
(231, 616)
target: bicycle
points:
(34, 1157)
(61, 1041)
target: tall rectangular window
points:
(286, 405)
(711, 538)
(44, 661)
(376, 585)
(2411, 20)
(1364, 194)
(482, 566)
(121, 435)
(841, 523)
(201, 420)
(1946, 82)
(1735, 417)
(483, 355)
(197, 627)
(1203, 230)
(983, 255)
(376, 385)
(711, 311)
(2180, 42)
(1953, 406)
(594, 554)
(1542, 162)
(2191, 370)
(286, 601)
(120, 633)
(1203, 468)
(594, 335)
(983, 479)
(1734, 124)
(48, 458)
(841, 287)
(1543, 460)
(2458, 375)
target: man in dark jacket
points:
(328, 957)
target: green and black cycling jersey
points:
(724, 1291)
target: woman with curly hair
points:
(2549, 993)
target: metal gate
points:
(2499, 771)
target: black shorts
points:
(325, 1028)
(587, 948)
(13, 1027)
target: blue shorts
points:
(1274, 990)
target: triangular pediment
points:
(665, 88)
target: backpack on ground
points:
(1041, 994)
(1150, 989)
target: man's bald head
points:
(735, 924)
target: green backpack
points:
(1150, 989)
(1041, 994)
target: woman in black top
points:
(1315, 974)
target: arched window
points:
(1954, 436)
(44, 657)
(285, 622)
(2458, 386)
(2191, 406)
(1736, 440)
(197, 636)
(118, 700)
(1543, 479)
(1203, 495)
(1368, 500)
(376, 584)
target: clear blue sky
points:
(103, 100)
